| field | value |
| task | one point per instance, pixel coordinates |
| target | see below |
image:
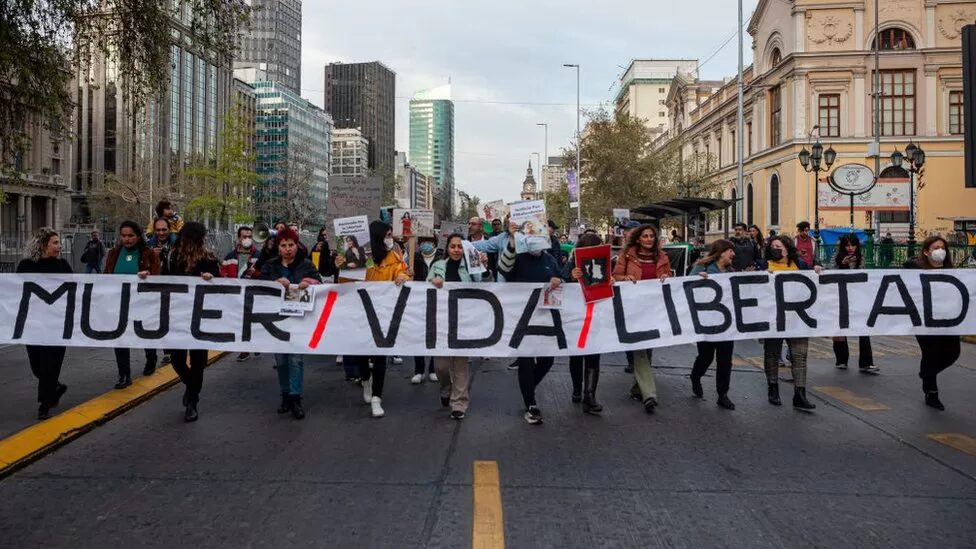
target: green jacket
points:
(439, 269)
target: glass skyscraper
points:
(432, 140)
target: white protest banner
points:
(410, 223)
(481, 319)
(530, 216)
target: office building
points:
(350, 153)
(363, 96)
(554, 175)
(413, 187)
(273, 43)
(432, 140)
(643, 89)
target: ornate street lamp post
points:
(916, 159)
(816, 161)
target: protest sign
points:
(447, 229)
(596, 282)
(496, 209)
(533, 233)
(411, 223)
(353, 196)
(473, 259)
(621, 219)
(352, 234)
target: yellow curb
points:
(35, 441)
(488, 526)
(969, 339)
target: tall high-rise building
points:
(363, 96)
(273, 43)
(432, 140)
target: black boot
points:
(150, 368)
(297, 411)
(932, 399)
(774, 394)
(43, 411)
(577, 398)
(591, 377)
(190, 415)
(285, 405)
(724, 402)
(800, 401)
(696, 387)
(123, 382)
(58, 394)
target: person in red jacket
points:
(805, 246)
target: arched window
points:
(775, 58)
(749, 205)
(774, 200)
(895, 38)
(892, 172)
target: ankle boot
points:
(591, 377)
(932, 399)
(774, 394)
(190, 414)
(800, 401)
(696, 386)
(297, 411)
(285, 405)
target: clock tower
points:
(530, 191)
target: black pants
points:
(192, 375)
(721, 352)
(45, 363)
(864, 356)
(576, 365)
(122, 360)
(530, 374)
(938, 353)
(418, 365)
(378, 373)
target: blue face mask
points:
(427, 248)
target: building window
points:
(749, 205)
(774, 200)
(661, 114)
(775, 115)
(893, 217)
(718, 145)
(749, 139)
(660, 90)
(895, 39)
(735, 204)
(955, 112)
(660, 101)
(735, 152)
(829, 104)
(775, 58)
(898, 102)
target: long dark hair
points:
(715, 250)
(842, 244)
(140, 235)
(588, 239)
(633, 239)
(791, 256)
(377, 235)
(759, 236)
(923, 260)
(191, 247)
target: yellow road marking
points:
(34, 441)
(959, 441)
(852, 399)
(488, 528)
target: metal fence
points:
(882, 256)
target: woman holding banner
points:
(643, 259)
(43, 253)
(288, 267)
(850, 256)
(388, 266)
(191, 257)
(427, 254)
(781, 256)
(584, 370)
(717, 260)
(132, 256)
(938, 352)
(452, 371)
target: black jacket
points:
(327, 266)
(300, 269)
(47, 265)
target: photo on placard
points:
(408, 223)
(352, 234)
(496, 209)
(473, 258)
(552, 298)
(621, 219)
(533, 230)
(297, 300)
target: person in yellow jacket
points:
(165, 210)
(388, 266)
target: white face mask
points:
(246, 243)
(938, 256)
(389, 243)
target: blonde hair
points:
(35, 246)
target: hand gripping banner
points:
(477, 319)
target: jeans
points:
(122, 360)
(864, 356)
(45, 363)
(576, 364)
(192, 375)
(452, 372)
(418, 365)
(530, 374)
(721, 351)
(772, 349)
(93, 268)
(938, 353)
(291, 372)
(378, 372)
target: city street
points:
(866, 469)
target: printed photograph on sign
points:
(473, 258)
(533, 230)
(496, 209)
(621, 218)
(296, 301)
(552, 298)
(447, 229)
(412, 223)
(352, 235)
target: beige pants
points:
(452, 371)
(643, 375)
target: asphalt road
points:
(691, 475)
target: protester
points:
(476, 233)
(165, 210)
(192, 258)
(240, 261)
(720, 258)
(326, 264)
(132, 256)
(643, 259)
(388, 266)
(757, 235)
(497, 227)
(805, 245)
(554, 246)
(452, 370)
(887, 254)
(747, 253)
(584, 370)
(535, 266)
(290, 267)
(850, 256)
(675, 237)
(162, 240)
(427, 253)
(938, 351)
(42, 255)
(781, 255)
(94, 254)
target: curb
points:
(40, 439)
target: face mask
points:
(939, 255)
(775, 254)
(426, 248)
(388, 242)
(246, 243)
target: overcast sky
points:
(504, 57)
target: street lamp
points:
(916, 159)
(811, 162)
(579, 180)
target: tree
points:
(222, 190)
(288, 191)
(470, 206)
(557, 208)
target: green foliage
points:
(558, 210)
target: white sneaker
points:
(377, 404)
(417, 379)
(367, 390)
(432, 376)
(842, 366)
(339, 359)
(397, 360)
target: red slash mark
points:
(581, 342)
(323, 320)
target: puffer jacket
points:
(387, 270)
(629, 266)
